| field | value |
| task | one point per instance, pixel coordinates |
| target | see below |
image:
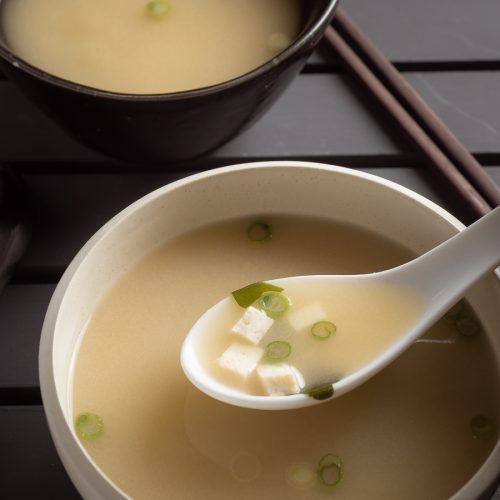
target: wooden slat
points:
(71, 208)
(325, 116)
(426, 35)
(320, 116)
(427, 30)
(30, 467)
(468, 102)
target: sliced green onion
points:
(274, 304)
(330, 469)
(482, 427)
(456, 311)
(157, 8)
(278, 350)
(323, 329)
(259, 231)
(247, 295)
(321, 392)
(468, 327)
(88, 425)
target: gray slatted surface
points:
(340, 123)
(446, 30)
(449, 50)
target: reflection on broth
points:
(142, 47)
(412, 427)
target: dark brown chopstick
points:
(426, 144)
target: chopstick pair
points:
(435, 140)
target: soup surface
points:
(126, 46)
(406, 431)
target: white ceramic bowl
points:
(241, 190)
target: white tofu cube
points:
(280, 379)
(253, 325)
(240, 359)
(306, 316)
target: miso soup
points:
(421, 427)
(149, 47)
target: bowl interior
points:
(267, 188)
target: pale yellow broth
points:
(116, 45)
(405, 434)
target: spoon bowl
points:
(437, 279)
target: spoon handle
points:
(447, 271)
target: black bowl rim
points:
(294, 48)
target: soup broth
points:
(131, 46)
(405, 432)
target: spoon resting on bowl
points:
(435, 280)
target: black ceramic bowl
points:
(167, 127)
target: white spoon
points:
(440, 277)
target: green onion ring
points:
(323, 329)
(88, 425)
(330, 469)
(278, 350)
(274, 304)
(157, 8)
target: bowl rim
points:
(298, 44)
(62, 434)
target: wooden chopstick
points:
(426, 144)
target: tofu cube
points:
(280, 379)
(306, 316)
(253, 325)
(240, 359)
